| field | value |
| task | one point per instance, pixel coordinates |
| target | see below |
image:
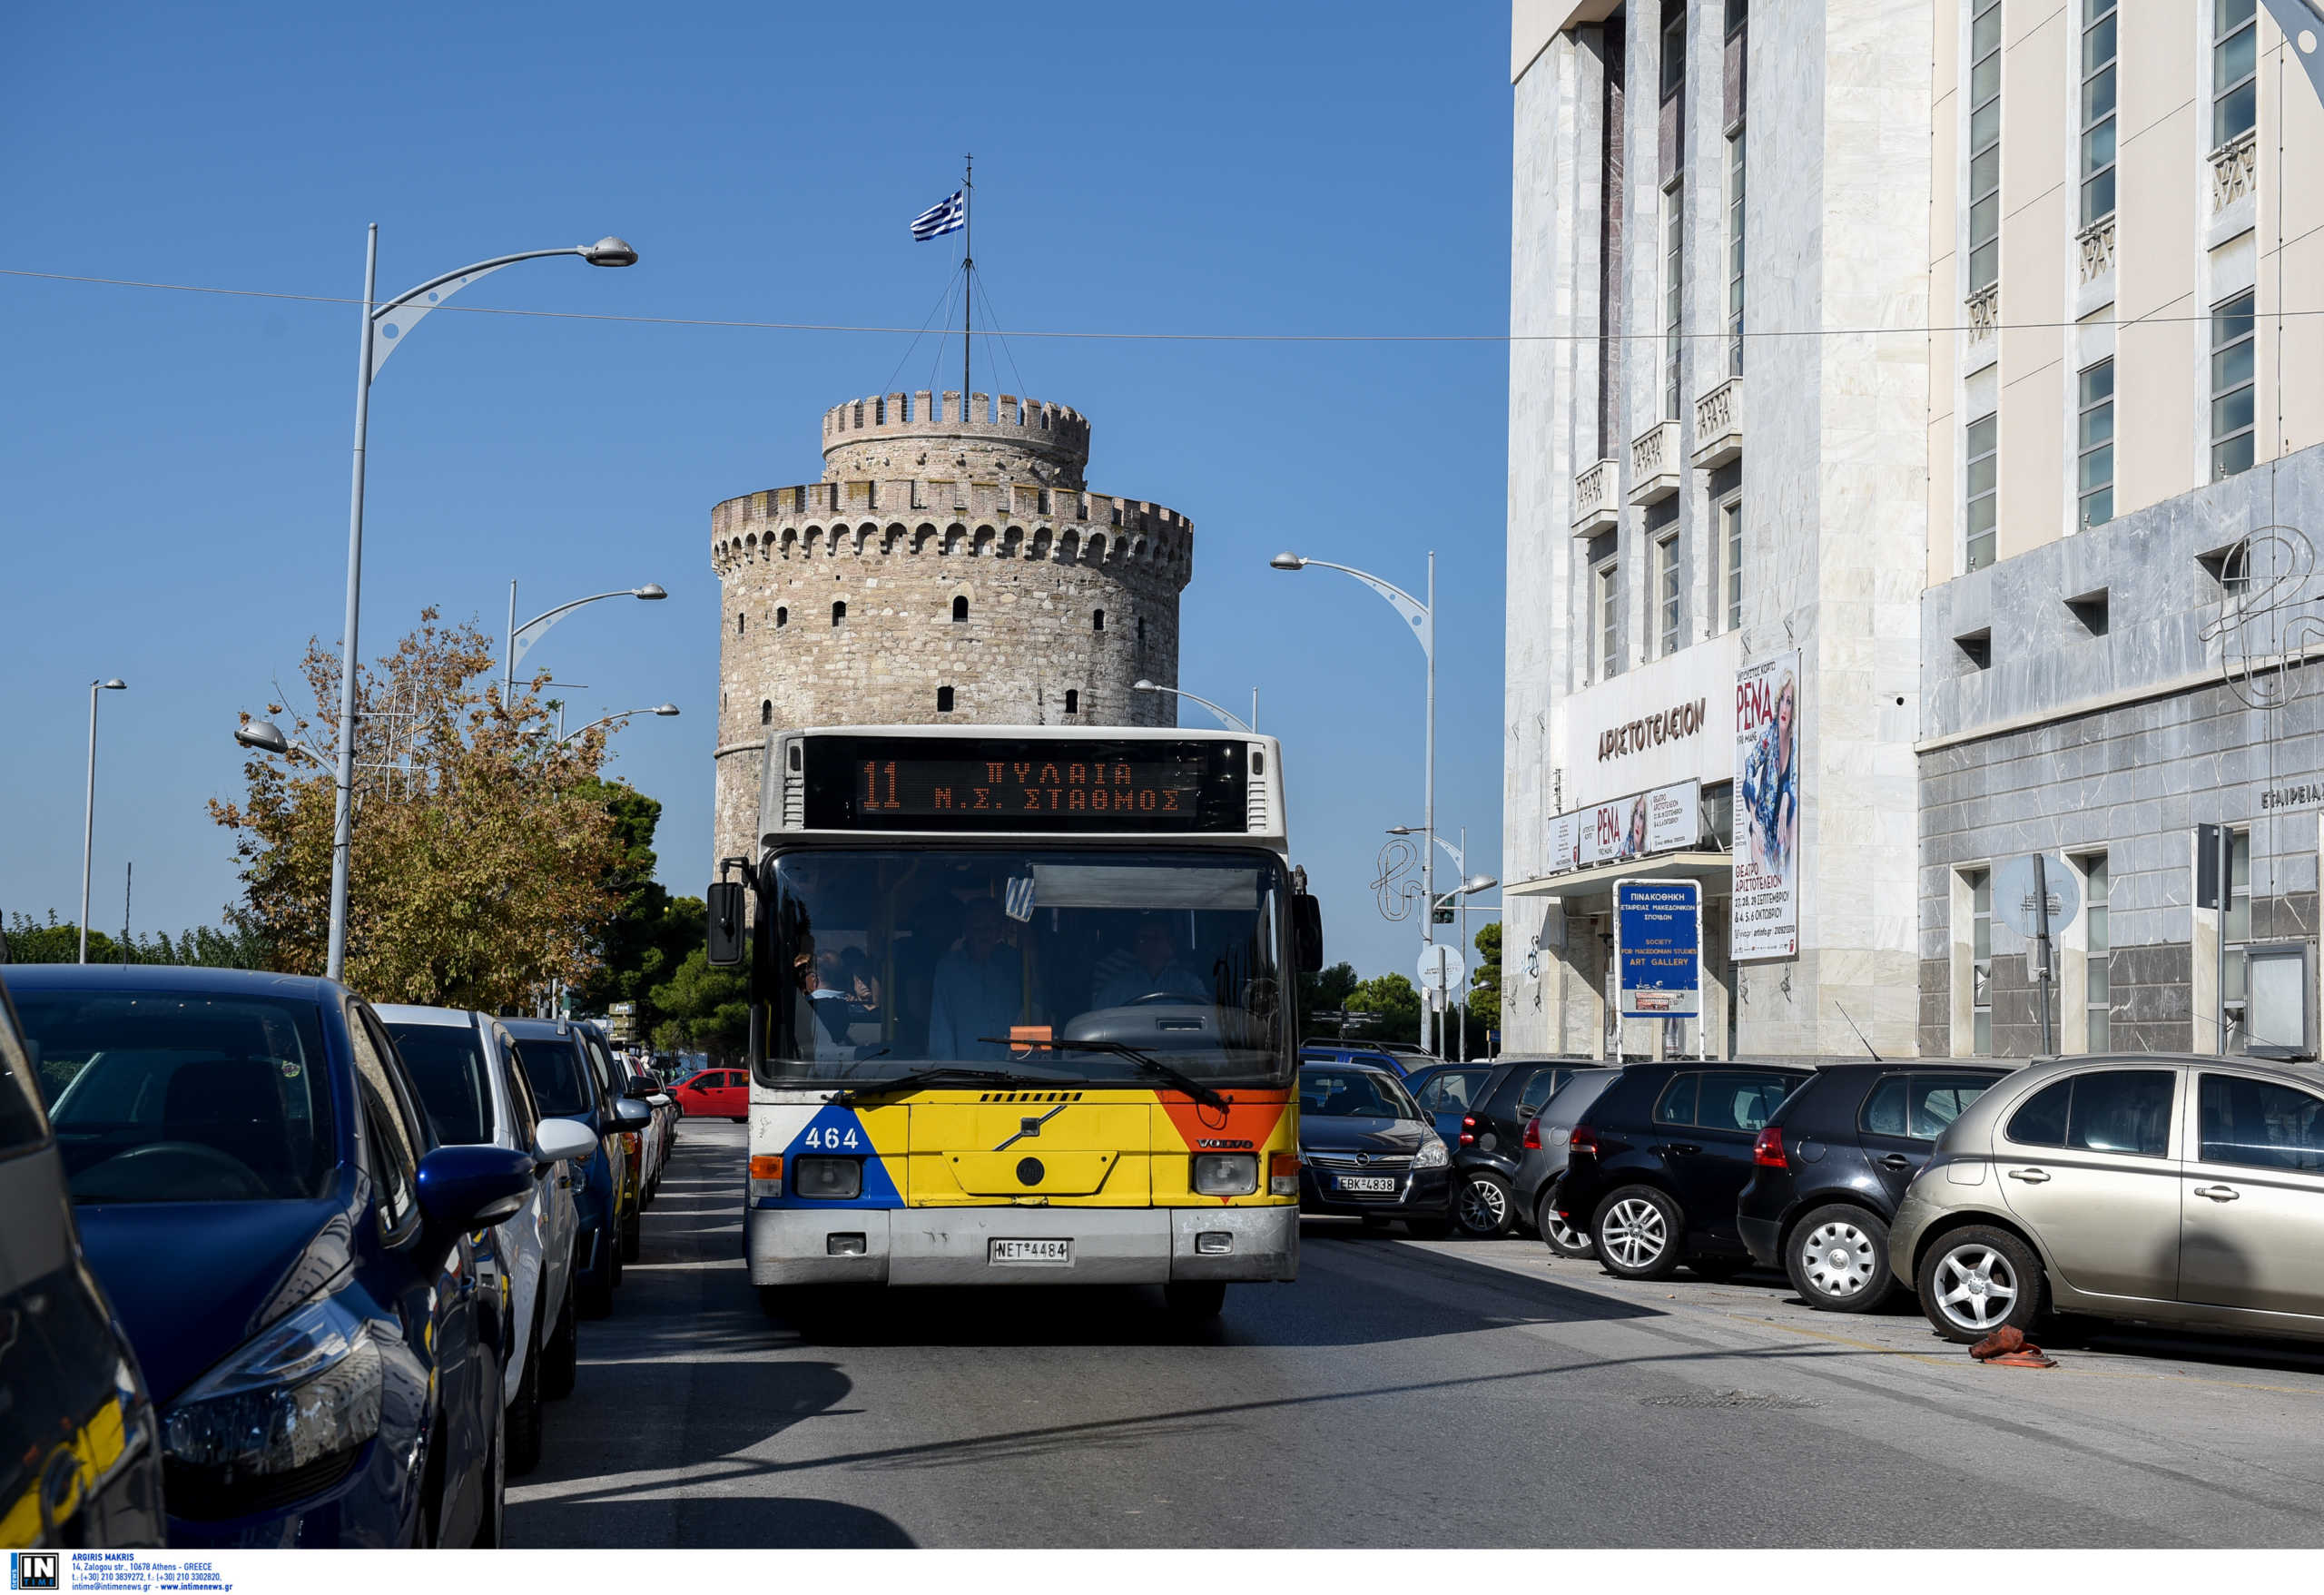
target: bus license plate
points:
(1373, 1184)
(1053, 1252)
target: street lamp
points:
(1229, 721)
(521, 639)
(383, 326)
(1421, 618)
(662, 709)
(89, 815)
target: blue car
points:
(295, 1259)
(568, 1081)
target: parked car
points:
(282, 1234)
(1831, 1164)
(1654, 1167)
(1397, 1059)
(1491, 1138)
(1365, 1149)
(79, 1449)
(663, 1134)
(1541, 1161)
(715, 1093)
(474, 1094)
(556, 1064)
(1445, 1091)
(2175, 1190)
(613, 1083)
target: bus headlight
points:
(1225, 1174)
(830, 1179)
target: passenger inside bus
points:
(980, 989)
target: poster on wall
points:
(1766, 808)
(1666, 820)
(1658, 948)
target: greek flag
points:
(942, 217)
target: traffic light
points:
(1444, 915)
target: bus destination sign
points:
(926, 783)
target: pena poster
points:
(1767, 793)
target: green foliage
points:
(646, 942)
(705, 1010)
(57, 942)
(1397, 1002)
(1484, 984)
(1325, 992)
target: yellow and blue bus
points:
(1021, 1009)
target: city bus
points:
(1021, 1010)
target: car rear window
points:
(560, 1080)
(182, 1097)
(1919, 1107)
(1723, 1099)
(447, 1063)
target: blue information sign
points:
(1658, 948)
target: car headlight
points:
(305, 1392)
(1433, 1154)
(1225, 1174)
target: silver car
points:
(2170, 1189)
(473, 1088)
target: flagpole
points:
(968, 271)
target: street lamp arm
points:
(609, 719)
(521, 639)
(462, 277)
(1414, 612)
(1230, 721)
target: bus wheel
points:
(1194, 1300)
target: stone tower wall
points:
(1011, 532)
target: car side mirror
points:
(637, 1087)
(560, 1141)
(724, 902)
(629, 1114)
(468, 1187)
(1308, 932)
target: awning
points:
(1598, 880)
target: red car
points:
(718, 1093)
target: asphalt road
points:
(1400, 1394)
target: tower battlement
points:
(921, 433)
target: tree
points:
(1397, 1002)
(646, 941)
(482, 845)
(1325, 992)
(1484, 985)
(708, 1009)
(57, 942)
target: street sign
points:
(1659, 949)
(621, 1008)
(1440, 956)
(2014, 904)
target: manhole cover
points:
(1725, 1398)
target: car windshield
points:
(182, 1097)
(447, 1063)
(876, 963)
(560, 1082)
(1352, 1093)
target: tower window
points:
(838, 613)
(1141, 628)
(781, 618)
(1097, 620)
(1072, 701)
(739, 619)
(960, 609)
(766, 711)
(943, 700)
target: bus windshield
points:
(878, 962)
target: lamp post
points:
(1421, 618)
(1230, 722)
(1469, 886)
(89, 813)
(521, 639)
(383, 326)
(662, 709)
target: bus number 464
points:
(831, 1140)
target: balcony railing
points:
(1654, 463)
(1984, 313)
(2096, 243)
(1595, 509)
(2234, 170)
(1719, 424)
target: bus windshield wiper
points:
(942, 1075)
(1143, 1059)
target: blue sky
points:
(175, 465)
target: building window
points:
(2235, 61)
(1674, 291)
(1141, 630)
(1072, 701)
(1097, 620)
(2237, 931)
(1984, 146)
(2096, 995)
(1981, 962)
(739, 621)
(1981, 481)
(1735, 253)
(766, 711)
(1674, 47)
(2231, 369)
(943, 700)
(960, 608)
(1610, 620)
(2097, 111)
(2097, 442)
(781, 618)
(1666, 571)
(839, 614)
(1730, 541)
(1738, 12)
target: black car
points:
(1541, 1163)
(1654, 1165)
(1445, 1092)
(1492, 1138)
(1366, 1150)
(80, 1454)
(1831, 1166)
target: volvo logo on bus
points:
(1225, 1145)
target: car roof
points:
(413, 1013)
(1355, 1063)
(540, 1030)
(167, 978)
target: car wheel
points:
(521, 1425)
(1638, 1234)
(561, 1357)
(1194, 1300)
(1481, 1206)
(1977, 1280)
(1559, 1236)
(1838, 1257)
(632, 1237)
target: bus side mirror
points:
(726, 904)
(1308, 932)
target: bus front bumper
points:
(955, 1246)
